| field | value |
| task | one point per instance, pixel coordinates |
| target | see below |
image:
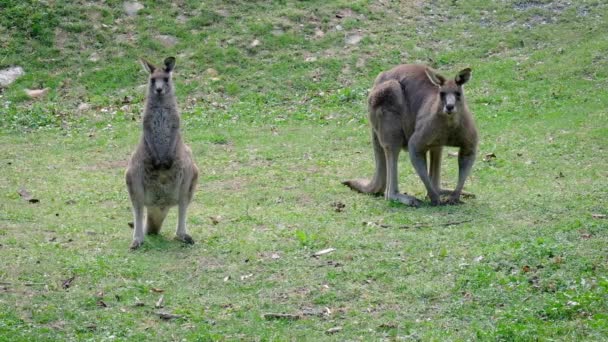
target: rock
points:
(353, 39)
(8, 76)
(131, 8)
(254, 43)
(36, 93)
(84, 106)
(212, 72)
(167, 40)
(94, 57)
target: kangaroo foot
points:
(187, 239)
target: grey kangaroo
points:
(412, 106)
(161, 172)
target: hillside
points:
(273, 99)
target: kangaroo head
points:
(160, 78)
(450, 92)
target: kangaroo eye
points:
(166, 79)
(152, 80)
(442, 93)
(457, 94)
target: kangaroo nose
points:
(449, 107)
(159, 90)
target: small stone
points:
(131, 8)
(212, 72)
(254, 43)
(353, 39)
(8, 76)
(84, 106)
(94, 57)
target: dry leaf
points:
(274, 316)
(215, 219)
(246, 276)
(157, 290)
(598, 216)
(26, 195)
(333, 330)
(102, 304)
(68, 282)
(167, 316)
(226, 278)
(526, 269)
(36, 93)
(323, 252)
(489, 156)
(159, 303)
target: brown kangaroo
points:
(412, 106)
(161, 172)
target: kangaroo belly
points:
(161, 188)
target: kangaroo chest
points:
(161, 124)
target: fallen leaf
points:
(333, 330)
(598, 216)
(36, 93)
(274, 316)
(157, 290)
(26, 195)
(226, 278)
(323, 252)
(526, 269)
(215, 219)
(68, 282)
(489, 156)
(167, 316)
(338, 206)
(159, 303)
(478, 259)
(246, 276)
(102, 304)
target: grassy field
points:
(273, 95)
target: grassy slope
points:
(274, 135)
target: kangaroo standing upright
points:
(412, 106)
(161, 172)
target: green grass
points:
(274, 132)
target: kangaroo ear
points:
(434, 77)
(149, 67)
(463, 76)
(169, 64)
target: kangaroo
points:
(161, 172)
(412, 106)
